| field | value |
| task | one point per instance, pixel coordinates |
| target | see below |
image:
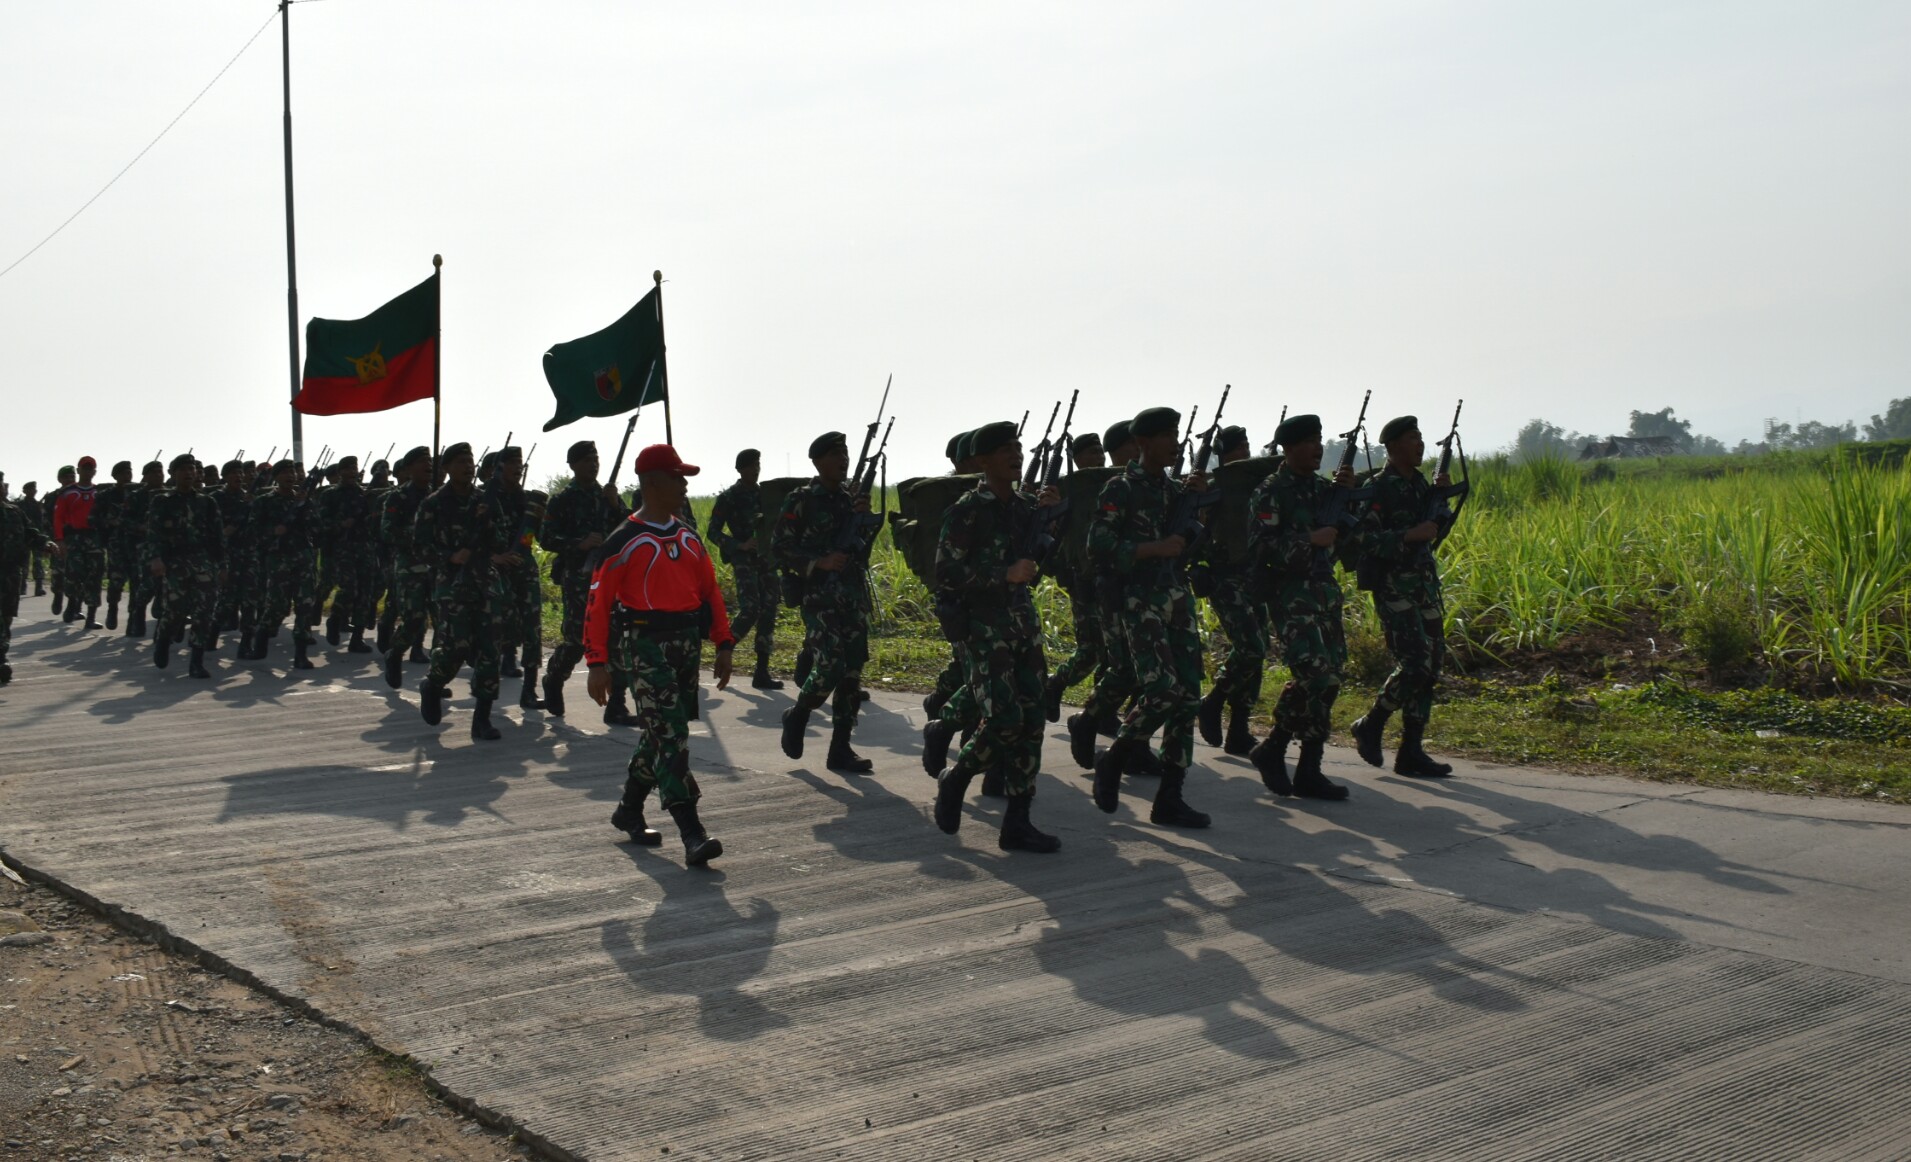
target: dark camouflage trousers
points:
(1006, 671)
(836, 630)
(85, 567)
(1243, 619)
(239, 579)
(285, 588)
(409, 605)
(1088, 637)
(354, 569)
(757, 597)
(191, 586)
(1114, 672)
(1164, 651)
(521, 613)
(467, 618)
(1307, 617)
(663, 682)
(1416, 637)
(9, 608)
(960, 708)
(574, 587)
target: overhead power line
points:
(142, 153)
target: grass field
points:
(1738, 621)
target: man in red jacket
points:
(653, 600)
(80, 547)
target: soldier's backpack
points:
(1082, 489)
(775, 494)
(916, 525)
(1228, 522)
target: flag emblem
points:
(609, 382)
(369, 367)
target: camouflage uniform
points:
(18, 535)
(816, 519)
(1304, 601)
(1405, 580)
(570, 517)
(142, 587)
(348, 523)
(112, 518)
(185, 531)
(469, 597)
(982, 535)
(411, 584)
(1087, 655)
(283, 581)
(521, 614)
(1155, 622)
(34, 513)
(56, 567)
(234, 506)
(84, 570)
(1237, 603)
(663, 670)
(735, 518)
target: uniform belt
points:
(656, 622)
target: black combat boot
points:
(431, 706)
(629, 818)
(72, 611)
(417, 653)
(936, 738)
(1145, 763)
(6, 673)
(933, 704)
(196, 666)
(1018, 834)
(804, 660)
(383, 637)
(1270, 758)
(333, 625)
(762, 679)
(162, 650)
(698, 847)
(1240, 740)
(841, 759)
(136, 619)
(300, 655)
(1081, 740)
(481, 728)
(795, 721)
(508, 665)
(952, 786)
(1052, 691)
(112, 614)
(1108, 722)
(1367, 731)
(359, 645)
(230, 624)
(254, 645)
(553, 695)
(995, 782)
(394, 669)
(1109, 767)
(617, 710)
(527, 693)
(92, 617)
(1413, 761)
(57, 600)
(1208, 719)
(1170, 809)
(1309, 782)
(39, 589)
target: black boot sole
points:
(702, 852)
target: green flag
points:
(612, 371)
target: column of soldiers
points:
(252, 546)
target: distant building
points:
(1629, 447)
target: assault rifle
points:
(1032, 470)
(1445, 502)
(1184, 518)
(1047, 471)
(859, 535)
(1342, 508)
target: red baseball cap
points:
(664, 458)
(88, 462)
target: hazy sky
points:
(1565, 210)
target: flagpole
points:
(437, 357)
(291, 246)
(663, 365)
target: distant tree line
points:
(1541, 438)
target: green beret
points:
(1398, 427)
(954, 448)
(991, 438)
(826, 443)
(286, 465)
(1086, 442)
(965, 446)
(419, 453)
(1116, 435)
(1233, 436)
(126, 464)
(346, 463)
(748, 456)
(1296, 429)
(456, 450)
(233, 466)
(581, 450)
(149, 466)
(183, 460)
(1153, 422)
(489, 462)
(510, 452)
(67, 469)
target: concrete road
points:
(1511, 964)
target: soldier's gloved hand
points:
(1022, 572)
(598, 684)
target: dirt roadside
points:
(113, 1049)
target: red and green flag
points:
(387, 358)
(611, 371)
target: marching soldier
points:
(80, 547)
(521, 622)
(235, 502)
(185, 549)
(110, 518)
(734, 520)
(1236, 601)
(468, 537)
(132, 524)
(345, 518)
(1397, 563)
(1114, 678)
(575, 524)
(376, 490)
(1294, 550)
(34, 511)
(986, 564)
(279, 529)
(653, 600)
(817, 538)
(1086, 452)
(57, 563)
(412, 580)
(18, 535)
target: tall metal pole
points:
(663, 364)
(437, 358)
(291, 247)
